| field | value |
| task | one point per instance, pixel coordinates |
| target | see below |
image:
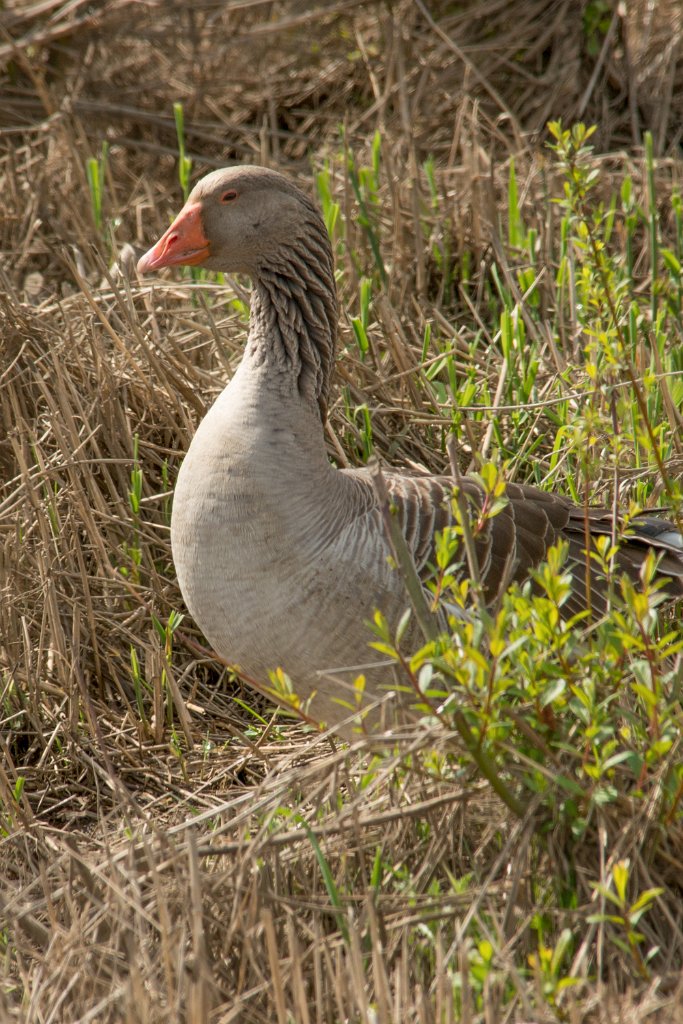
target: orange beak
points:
(184, 244)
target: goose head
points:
(236, 220)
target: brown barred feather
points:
(517, 539)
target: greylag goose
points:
(282, 558)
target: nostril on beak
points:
(182, 244)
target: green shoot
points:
(184, 161)
(95, 171)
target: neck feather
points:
(294, 313)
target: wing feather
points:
(520, 533)
(512, 543)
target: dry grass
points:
(170, 850)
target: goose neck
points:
(293, 325)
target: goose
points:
(281, 557)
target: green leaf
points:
(328, 879)
(645, 899)
(552, 692)
(671, 261)
(620, 874)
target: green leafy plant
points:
(565, 715)
(623, 921)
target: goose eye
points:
(228, 196)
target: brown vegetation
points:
(171, 851)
